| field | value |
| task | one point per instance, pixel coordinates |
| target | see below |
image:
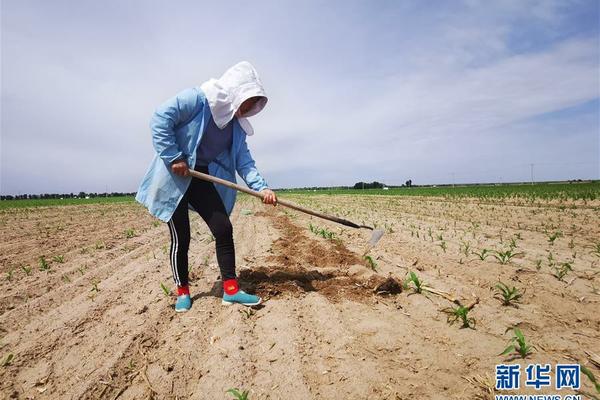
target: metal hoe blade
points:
(375, 236)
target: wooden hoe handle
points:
(251, 192)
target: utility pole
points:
(531, 166)
(453, 180)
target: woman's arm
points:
(180, 108)
(246, 168)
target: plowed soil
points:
(91, 321)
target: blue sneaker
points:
(184, 303)
(241, 297)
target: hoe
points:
(375, 236)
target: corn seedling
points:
(44, 266)
(591, 377)
(100, 245)
(247, 312)
(553, 236)
(518, 345)
(9, 275)
(596, 249)
(460, 313)
(483, 254)
(562, 270)
(165, 289)
(131, 365)
(7, 360)
(59, 259)
(26, 269)
(66, 279)
(323, 232)
(155, 223)
(504, 257)
(370, 262)
(129, 233)
(418, 285)
(94, 286)
(443, 245)
(389, 228)
(235, 392)
(538, 264)
(550, 259)
(507, 295)
(466, 248)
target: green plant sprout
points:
(8, 360)
(131, 365)
(596, 249)
(466, 248)
(129, 233)
(44, 266)
(323, 232)
(443, 245)
(460, 313)
(504, 257)
(235, 392)
(562, 270)
(59, 259)
(418, 285)
(507, 295)
(518, 345)
(591, 377)
(553, 236)
(370, 262)
(483, 254)
(165, 289)
(247, 312)
(26, 269)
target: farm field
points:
(83, 314)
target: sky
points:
(436, 91)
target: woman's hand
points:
(180, 167)
(269, 197)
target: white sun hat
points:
(226, 94)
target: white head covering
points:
(226, 94)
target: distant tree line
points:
(80, 195)
(378, 185)
(366, 185)
(358, 185)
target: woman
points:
(205, 127)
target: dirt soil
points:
(91, 320)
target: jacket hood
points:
(226, 94)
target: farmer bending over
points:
(205, 127)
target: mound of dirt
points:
(294, 248)
(275, 281)
(330, 263)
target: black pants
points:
(203, 196)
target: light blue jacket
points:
(177, 128)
